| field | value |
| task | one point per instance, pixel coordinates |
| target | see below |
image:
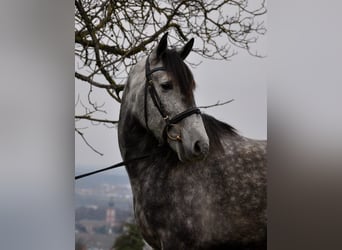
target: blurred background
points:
(37, 209)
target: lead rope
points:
(113, 166)
(123, 163)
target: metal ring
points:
(173, 138)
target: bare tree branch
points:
(88, 117)
(96, 84)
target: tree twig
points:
(86, 142)
(216, 104)
(88, 117)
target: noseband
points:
(169, 122)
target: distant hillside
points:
(109, 177)
(99, 195)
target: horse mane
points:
(180, 71)
(216, 129)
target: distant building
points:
(110, 216)
(91, 225)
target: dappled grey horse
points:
(203, 185)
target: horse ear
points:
(162, 45)
(186, 49)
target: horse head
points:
(159, 93)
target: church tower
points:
(110, 216)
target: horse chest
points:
(166, 206)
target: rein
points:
(123, 163)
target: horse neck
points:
(136, 141)
(133, 137)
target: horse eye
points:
(166, 86)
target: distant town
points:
(103, 207)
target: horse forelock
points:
(180, 72)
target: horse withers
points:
(204, 185)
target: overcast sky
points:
(243, 79)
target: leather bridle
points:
(169, 122)
(149, 87)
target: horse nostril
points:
(200, 148)
(197, 147)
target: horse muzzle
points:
(189, 145)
